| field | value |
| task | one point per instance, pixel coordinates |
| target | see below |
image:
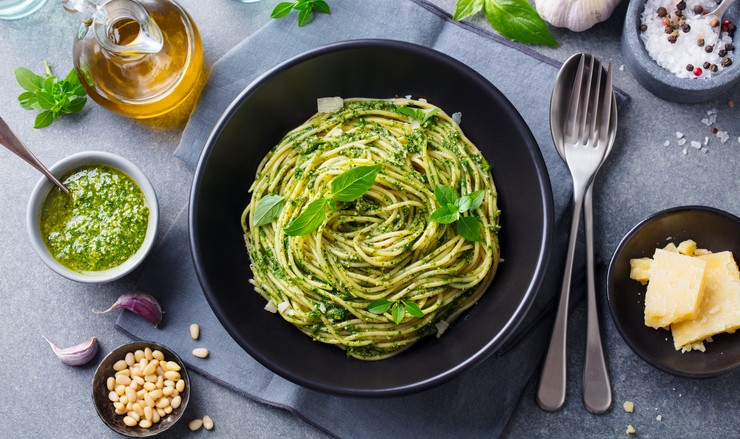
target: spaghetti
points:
(382, 247)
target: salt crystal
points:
(621, 68)
(408, 96)
(712, 111)
(659, 418)
(679, 134)
(695, 144)
(704, 150)
(681, 142)
(685, 152)
(666, 143)
(713, 118)
(706, 140)
(724, 137)
(706, 121)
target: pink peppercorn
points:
(697, 71)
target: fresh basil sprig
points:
(417, 113)
(398, 308)
(451, 208)
(348, 186)
(268, 209)
(305, 9)
(516, 20)
(50, 95)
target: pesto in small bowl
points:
(100, 224)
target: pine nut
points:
(168, 409)
(120, 389)
(195, 424)
(123, 399)
(171, 365)
(156, 394)
(131, 394)
(200, 352)
(208, 422)
(162, 403)
(134, 415)
(119, 365)
(138, 380)
(151, 378)
(171, 375)
(119, 405)
(167, 391)
(124, 372)
(194, 331)
(138, 355)
(160, 382)
(158, 355)
(121, 411)
(136, 371)
(110, 383)
(176, 401)
(113, 396)
(155, 416)
(129, 406)
(138, 409)
(148, 400)
(150, 368)
(148, 353)
(122, 379)
(169, 383)
(145, 424)
(174, 393)
(148, 413)
(140, 393)
(160, 412)
(128, 420)
(180, 386)
(130, 360)
(149, 386)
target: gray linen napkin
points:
(480, 401)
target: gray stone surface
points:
(40, 397)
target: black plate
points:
(712, 229)
(283, 99)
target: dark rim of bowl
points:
(486, 350)
(170, 355)
(618, 322)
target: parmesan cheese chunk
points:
(719, 310)
(329, 105)
(640, 269)
(675, 289)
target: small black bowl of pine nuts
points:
(141, 389)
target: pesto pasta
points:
(379, 272)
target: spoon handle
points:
(597, 392)
(551, 388)
(14, 144)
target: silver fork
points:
(586, 136)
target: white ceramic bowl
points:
(59, 170)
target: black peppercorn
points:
(643, 27)
(689, 67)
(714, 130)
(709, 48)
(700, 42)
(698, 9)
(681, 5)
(707, 64)
(672, 39)
(679, 14)
(686, 28)
(726, 62)
(669, 29)
(721, 52)
(731, 28)
(662, 12)
(729, 47)
(713, 68)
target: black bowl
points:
(284, 98)
(712, 229)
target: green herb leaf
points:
(398, 311)
(27, 100)
(321, 6)
(517, 20)
(354, 183)
(44, 119)
(74, 105)
(304, 16)
(476, 198)
(413, 308)
(445, 215)
(268, 209)
(282, 9)
(379, 306)
(28, 80)
(45, 99)
(418, 113)
(463, 203)
(467, 8)
(308, 221)
(445, 194)
(332, 203)
(469, 228)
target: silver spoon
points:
(720, 10)
(597, 394)
(9, 140)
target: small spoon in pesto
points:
(9, 140)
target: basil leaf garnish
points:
(445, 215)
(379, 306)
(308, 221)
(469, 228)
(268, 209)
(467, 8)
(517, 20)
(413, 309)
(445, 194)
(354, 183)
(398, 311)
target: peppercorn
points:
(700, 42)
(689, 67)
(714, 68)
(707, 65)
(721, 52)
(731, 28)
(725, 27)
(698, 9)
(643, 27)
(709, 48)
(672, 39)
(668, 29)
(726, 62)
(681, 5)
(714, 22)
(679, 13)
(729, 47)
(714, 130)
(665, 22)
(686, 28)
(662, 12)
(697, 71)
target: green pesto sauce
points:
(100, 224)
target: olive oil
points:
(122, 78)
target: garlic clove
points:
(76, 355)
(140, 303)
(576, 15)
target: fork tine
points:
(587, 107)
(606, 108)
(573, 106)
(596, 113)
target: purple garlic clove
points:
(138, 302)
(76, 355)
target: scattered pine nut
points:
(630, 429)
(200, 352)
(207, 422)
(195, 424)
(629, 406)
(194, 331)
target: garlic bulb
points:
(576, 15)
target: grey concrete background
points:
(39, 397)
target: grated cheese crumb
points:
(270, 307)
(629, 406)
(630, 429)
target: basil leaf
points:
(333, 204)
(74, 106)
(28, 80)
(379, 306)
(354, 183)
(398, 311)
(445, 194)
(413, 309)
(48, 85)
(410, 112)
(46, 100)
(268, 209)
(463, 203)
(467, 8)
(418, 113)
(304, 16)
(302, 5)
(27, 99)
(72, 78)
(445, 215)
(476, 198)
(469, 228)
(321, 6)
(517, 20)
(44, 119)
(308, 221)
(282, 9)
